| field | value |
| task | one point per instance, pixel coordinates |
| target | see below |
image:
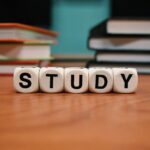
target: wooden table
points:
(74, 121)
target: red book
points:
(16, 32)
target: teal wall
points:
(73, 19)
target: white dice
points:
(26, 80)
(51, 79)
(125, 80)
(76, 80)
(100, 80)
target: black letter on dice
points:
(24, 77)
(126, 80)
(97, 81)
(80, 82)
(51, 76)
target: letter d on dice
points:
(76, 80)
(100, 80)
(125, 80)
(26, 79)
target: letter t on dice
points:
(52, 79)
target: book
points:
(100, 30)
(123, 40)
(19, 32)
(99, 39)
(119, 56)
(128, 26)
(8, 67)
(120, 43)
(142, 68)
(26, 51)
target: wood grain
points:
(74, 121)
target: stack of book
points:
(23, 45)
(121, 43)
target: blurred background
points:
(73, 19)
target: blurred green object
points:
(73, 19)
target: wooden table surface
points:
(74, 121)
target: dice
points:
(75, 80)
(100, 80)
(26, 80)
(125, 80)
(51, 79)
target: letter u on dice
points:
(75, 80)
